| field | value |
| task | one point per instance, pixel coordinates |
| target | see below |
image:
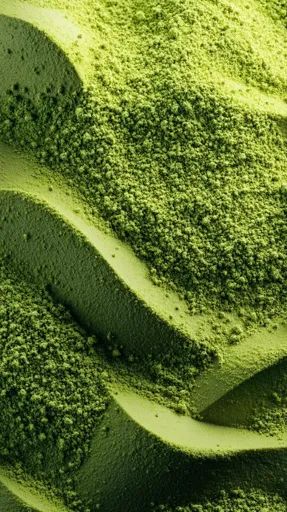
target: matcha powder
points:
(179, 143)
(236, 500)
(51, 385)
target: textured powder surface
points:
(270, 413)
(258, 404)
(51, 387)
(236, 501)
(277, 10)
(179, 144)
(53, 384)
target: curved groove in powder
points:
(60, 256)
(240, 362)
(76, 262)
(18, 495)
(46, 233)
(31, 60)
(143, 445)
(102, 281)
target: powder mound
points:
(53, 384)
(234, 501)
(180, 162)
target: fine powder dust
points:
(180, 145)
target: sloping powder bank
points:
(84, 265)
(40, 51)
(106, 286)
(145, 453)
(108, 289)
(240, 362)
(258, 403)
(142, 447)
(18, 495)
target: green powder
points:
(277, 9)
(190, 175)
(168, 380)
(270, 413)
(259, 403)
(237, 500)
(53, 379)
(180, 145)
(51, 385)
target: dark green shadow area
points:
(142, 448)
(255, 402)
(132, 465)
(32, 64)
(46, 233)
